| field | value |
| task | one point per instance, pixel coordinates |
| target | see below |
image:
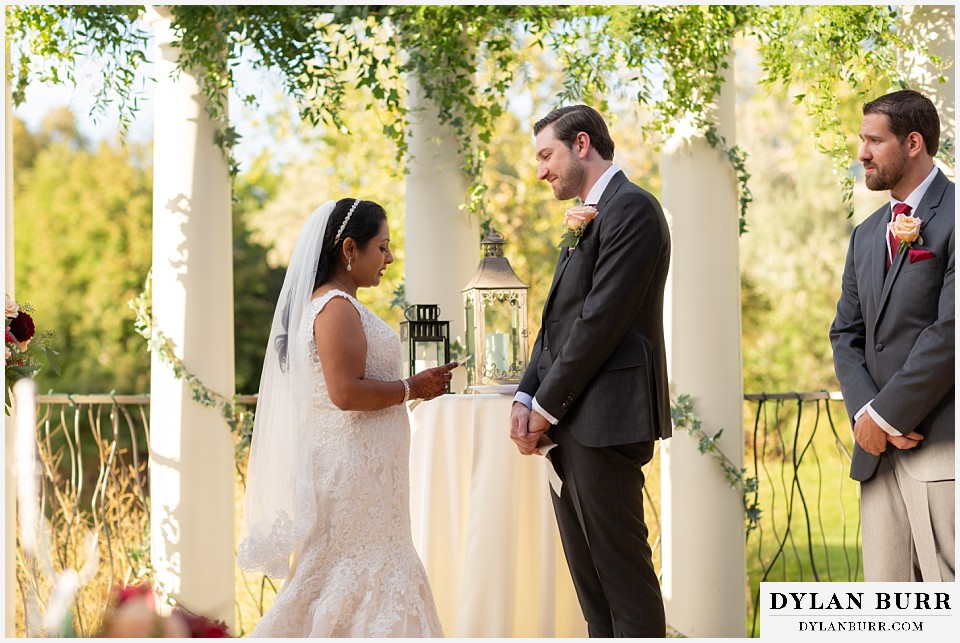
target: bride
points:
(328, 477)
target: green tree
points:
(256, 283)
(84, 247)
(792, 260)
(333, 165)
(82, 235)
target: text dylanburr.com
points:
(858, 611)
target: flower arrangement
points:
(576, 220)
(22, 343)
(137, 612)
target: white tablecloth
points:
(483, 524)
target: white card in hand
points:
(544, 444)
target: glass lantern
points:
(495, 304)
(425, 338)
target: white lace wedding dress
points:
(357, 573)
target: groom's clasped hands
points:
(526, 429)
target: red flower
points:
(9, 338)
(201, 627)
(123, 594)
(22, 327)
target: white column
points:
(442, 240)
(191, 447)
(704, 568)
(934, 26)
(9, 497)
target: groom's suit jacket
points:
(893, 336)
(599, 362)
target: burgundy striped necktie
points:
(894, 242)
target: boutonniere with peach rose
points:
(576, 219)
(907, 229)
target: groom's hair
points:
(571, 120)
(364, 224)
(909, 111)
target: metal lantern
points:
(426, 339)
(495, 304)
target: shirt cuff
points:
(863, 409)
(542, 411)
(886, 426)
(523, 398)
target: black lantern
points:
(495, 304)
(426, 339)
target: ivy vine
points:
(681, 410)
(238, 418)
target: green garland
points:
(466, 60)
(681, 410)
(238, 418)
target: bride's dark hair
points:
(362, 227)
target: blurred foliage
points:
(256, 283)
(329, 164)
(83, 243)
(792, 261)
(82, 235)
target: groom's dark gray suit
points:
(599, 367)
(893, 343)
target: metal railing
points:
(810, 515)
(93, 480)
(93, 452)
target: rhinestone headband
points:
(346, 220)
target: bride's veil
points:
(280, 504)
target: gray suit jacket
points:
(893, 336)
(599, 362)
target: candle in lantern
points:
(496, 344)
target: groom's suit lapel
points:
(618, 179)
(926, 211)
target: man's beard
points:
(886, 178)
(570, 182)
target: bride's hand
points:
(432, 382)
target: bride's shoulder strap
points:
(320, 302)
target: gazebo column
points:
(933, 25)
(442, 240)
(704, 572)
(9, 493)
(191, 447)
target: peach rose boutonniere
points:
(576, 219)
(907, 230)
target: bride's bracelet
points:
(406, 391)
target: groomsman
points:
(893, 346)
(596, 386)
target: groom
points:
(893, 346)
(597, 381)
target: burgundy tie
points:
(900, 208)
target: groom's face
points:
(558, 165)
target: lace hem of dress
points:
(268, 551)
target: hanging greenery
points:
(464, 58)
